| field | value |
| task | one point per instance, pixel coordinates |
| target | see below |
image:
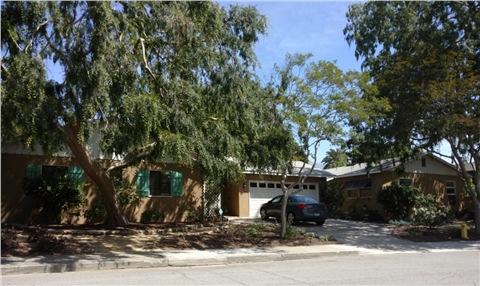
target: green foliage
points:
(429, 212)
(333, 195)
(192, 215)
(328, 237)
(290, 232)
(424, 58)
(55, 194)
(335, 158)
(126, 191)
(314, 101)
(152, 216)
(397, 200)
(160, 80)
(96, 212)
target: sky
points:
(303, 27)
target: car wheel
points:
(263, 214)
(290, 218)
(320, 222)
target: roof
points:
(384, 165)
(297, 165)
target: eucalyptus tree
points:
(424, 57)
(313, 100)
(159, 79)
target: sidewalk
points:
(51, 264)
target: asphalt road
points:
(419, 268)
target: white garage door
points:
(263, 191)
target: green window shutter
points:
(76, 173)
(143, 182)
(177, 184)
(33, 171)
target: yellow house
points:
(244, 198)
(171, 189)
(428, 173)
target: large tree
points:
(313, 100)
(424, 57)
(160, 80)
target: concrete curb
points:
(59, 264)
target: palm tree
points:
(335, 158)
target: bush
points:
(96, 213)
(397, 200)
(333, 195)
(56, 194)
(152, 216)
(126, 192)
(429, 212)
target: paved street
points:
(420, 268)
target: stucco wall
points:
(236, 197)
(427, 183)
(17, 208)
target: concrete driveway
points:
(373, 237)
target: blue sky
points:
(306, 27)
(303, 27)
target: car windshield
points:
(304, 199)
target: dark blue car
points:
(299, 208)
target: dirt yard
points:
(67, 240)
(136, 238)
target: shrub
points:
(56, 194)
(96, 213)
(152, 216)
(126, 191)
(397, 200)
(429, 212)
(333, 195)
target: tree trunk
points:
(115, 215)
(283, 213)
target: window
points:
(262, 185)
(424, 162)
(253, 185)
(352, 194)
(450, 188)
(365, 193)
(50, 172)
(312, 187)
(271, 185)
(358, 188)
(405, 182)
(159, 183)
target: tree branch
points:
(36, 31)
(148, 68)
(134, 157)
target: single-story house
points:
(429, 173)
(172, 189)
(244, 198)
(175, 190)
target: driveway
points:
(373, 237)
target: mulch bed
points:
(424, 234)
